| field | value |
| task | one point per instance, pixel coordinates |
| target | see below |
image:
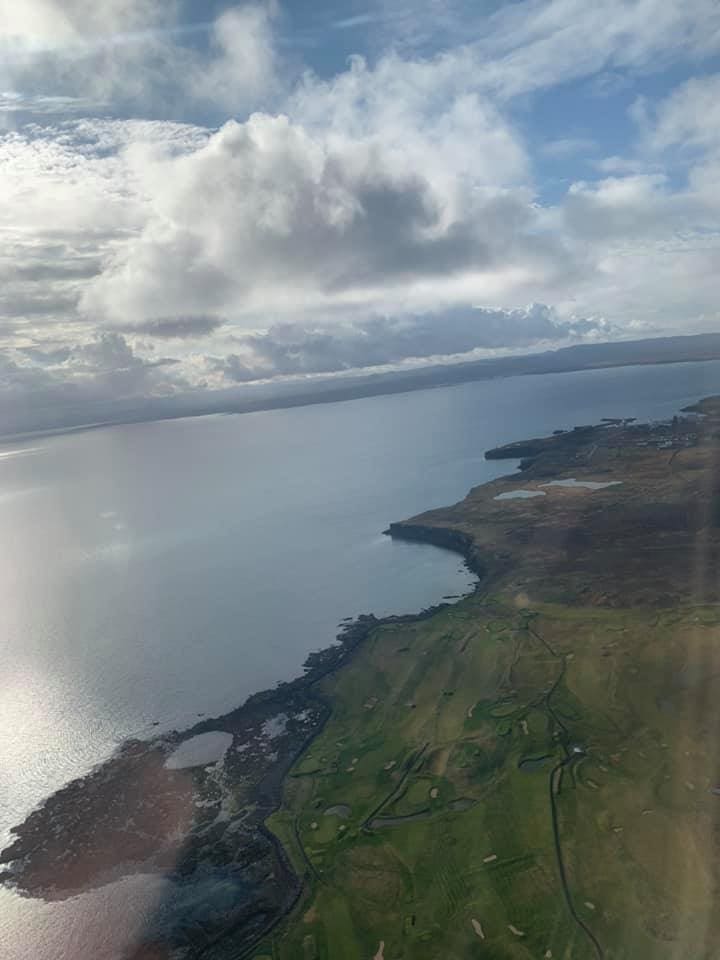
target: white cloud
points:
(69, 197)
(655, 236)
(102, 52)
(567, 146)
(243, 65)
(428, 114)
(536, 44)
(623, 209)
(273, 214)
(52, 25)
(400, 185)
(688, 117)
(397, 189)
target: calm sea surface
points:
(160, 571)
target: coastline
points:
(84, 809)
(451, 824)
(262, 765)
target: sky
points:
(195, 195)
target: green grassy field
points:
(443, 846)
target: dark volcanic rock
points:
(528, 450)
(202, 827)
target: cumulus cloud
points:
(69, 196)
(243, 64)
(652, 228)
(380, 341)
(79, 382)
(397, 186)
(432, 114)
(178, 328)
(271, 214)
(134, 52)
(50, 25)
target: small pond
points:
(531, 764)
(519, 495)
(584, 484)
(200, 750)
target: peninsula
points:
(529, 772)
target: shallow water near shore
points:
(159, 571)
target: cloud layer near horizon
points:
(293, 349)
(397, 210)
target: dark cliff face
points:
(448, 539)
(205, 831)
(562, 442)
(523, 450)
(454, 540)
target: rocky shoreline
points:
(202, 827)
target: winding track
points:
(554, 789)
